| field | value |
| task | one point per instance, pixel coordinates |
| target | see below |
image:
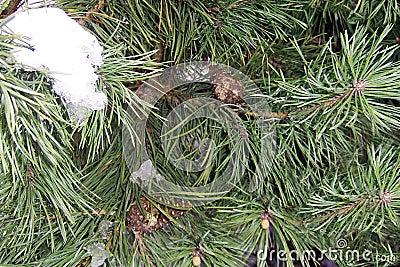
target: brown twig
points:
(336, 212)
(283, 115)
(218, 9)
(29, 173)
(159, 55)
(11, 8)
(139, 239)
(89, 15)
(358, 87)
(384, 199)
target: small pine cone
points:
(227, 89)
(135, 220)
(265, 217)
(152, 220)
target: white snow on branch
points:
(69, 53)
(36, 3)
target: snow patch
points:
(99, 254)
(146, 172)
(70, 54)
(36, 3)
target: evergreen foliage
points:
(330, 72)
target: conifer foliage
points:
(328, 187)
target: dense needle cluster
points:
(329, 73)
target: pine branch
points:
(330, 73)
